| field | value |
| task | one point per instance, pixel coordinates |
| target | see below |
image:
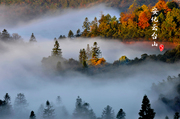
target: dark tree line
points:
(82, 109)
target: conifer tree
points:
(146, 112)
(56, 50)
(70, 34)
(108, 113)
(32, 115)
(121, 114)
(95, 51)
(20, 101)
(176, 116)
(5, 36)
(33, 38)
(48, 111)
(86, 26)
(82, 56)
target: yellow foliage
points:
(98, 61)
(144, 7)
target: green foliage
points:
(82, 56)
(70, 34)
(172, 5)
(95, 51)
(56, 50)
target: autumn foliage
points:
(96, 61)
(144, 18)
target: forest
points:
(28, 69)
(91, 61)
(82, 110)
(138, 23)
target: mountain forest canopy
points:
(138, 23)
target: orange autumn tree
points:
(144, 18)
(161, 5)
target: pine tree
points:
(78, 33)
(176, 116)
(82, 110)
(146, 112)
(48, 111)
(5, 36)
(82, 56)
(32, 115)
(108, 113)
(56, 50)
(7, 98)
(86, 26)
(5, 106)
(20, 101)
(70, 34)
(95, 51)
(121, 114)
(33, 38)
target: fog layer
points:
(21, 72)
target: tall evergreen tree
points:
(121, 114)
(146, 112)
(176, 116)
(33, 38)
(78, 33)
(70, 34)
(48, 111)
(108, 113)
(7, 98)
(82, 56)
(56, 50)
(32, 115)
(95, 51)
(20, 101)
(82, 110)
(5, 106)
(86, 26)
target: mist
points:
(21, 70)
(51, 25)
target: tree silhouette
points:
(33, 38)
(56, 50)
(32, 115)
(146, 112)
(70, 34)
(108, 113)
(48, 111)
(176, 116)
(121, 114)
(95, 51)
